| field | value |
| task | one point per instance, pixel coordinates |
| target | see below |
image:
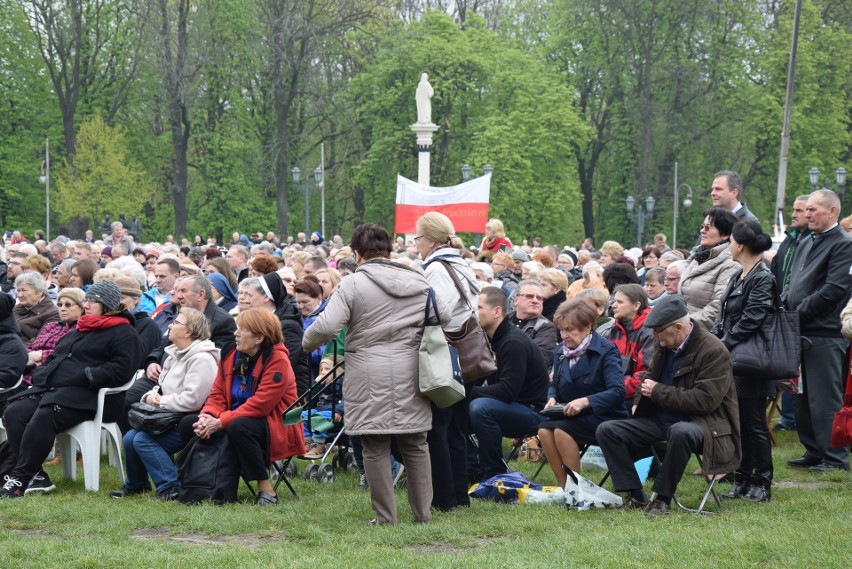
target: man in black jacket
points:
(818, 288)
(507, 405)
(528, 303)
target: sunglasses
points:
(533, 297)
(705, 227)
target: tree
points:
(101, 179)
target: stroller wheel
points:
(325, 474)
(311, 471)
(335, 460)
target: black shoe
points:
(824, 466)
(266, 499)
(803, 462)
(40, 483)
(632, 503)
(125, 491)
(658, 508)
(13, 488)
(737, 491)
(169, 494)
(758, 494)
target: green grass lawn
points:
(807, 524)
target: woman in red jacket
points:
(633, 340)
(253, 387)
(495, 237)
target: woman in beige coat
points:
(709, 268)
(382, 307)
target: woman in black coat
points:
(103, 351)
(746, 302)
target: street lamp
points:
(465, 172)
(640, 215)
(839, 178)
(45, 179)
(297, 177)
(687, 202)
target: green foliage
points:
(102, 178)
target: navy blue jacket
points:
(597, 375)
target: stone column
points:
(424, 134)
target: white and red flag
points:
(466, 204)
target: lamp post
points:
(839, 178)
(297, 177)
(45, 179)
(687, 202)
(640, 215)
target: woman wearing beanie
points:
(103, 351)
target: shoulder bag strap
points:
(457, 282)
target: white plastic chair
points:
(88, 436)
(2, 391)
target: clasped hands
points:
(206, 426)
(571, 408)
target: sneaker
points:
(397, 469)
(362, 482)
(40, 483)
(13, 488)
(125, 491)
(317, 451)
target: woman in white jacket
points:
(184, 384)
(438, 244)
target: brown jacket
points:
(702, 285)
(32, 319)
(703, 390)
(382, 306)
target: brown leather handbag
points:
(475, 353)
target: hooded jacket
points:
(382, 305)
(187, 376)
(702, 285)
(633, 341)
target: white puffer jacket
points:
(702, 285)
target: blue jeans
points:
(491, 420)
(151, 455)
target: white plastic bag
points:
(584, 494)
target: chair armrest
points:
(17, 384)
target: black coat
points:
(291, 327)
(84, 362)
(149, 334)
(745, 304)
(550, 305)
(13, 353)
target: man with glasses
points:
(529, 302)
(686, 399)
(507, 403)
(672, 278)
(503, 265)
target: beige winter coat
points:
(187, 376)
(702, 285)
(382, 307)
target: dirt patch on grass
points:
(806, 485)
(197, 538)
(447, 547)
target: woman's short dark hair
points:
(722, 219)
(371, 240)
(309, 285)
(750, 234)
(86, 269)
(619, 273)
(651, 252)
(576, 312)
(634, 293)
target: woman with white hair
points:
(34, 309)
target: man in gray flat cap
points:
(686, 399)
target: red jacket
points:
(273, 390)
(494, 244)
(636, 344)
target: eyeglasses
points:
(16, 263)
(177, 322)
(533, 297)
(670, 279)
(705, 227)
(66, 304)
(417, 238)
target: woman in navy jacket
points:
(587, 380)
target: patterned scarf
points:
(575, 354)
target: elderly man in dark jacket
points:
(818, 288)
(508, 405)
(687, 399)
(529, 302)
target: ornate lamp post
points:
(640, 215)
(297, 177)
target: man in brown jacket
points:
(687, 399)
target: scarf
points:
(89, 323)
(575, 354)
(701, 254)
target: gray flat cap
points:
(667, 310)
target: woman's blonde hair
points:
(496, 227)
(196, 323)
(613, 249)
(555, 278)
(597, 297)
(333, 275)
(437, 227)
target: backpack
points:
(208, 469)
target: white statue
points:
(422, 97)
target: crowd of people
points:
(619, 347)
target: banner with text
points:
(466, 204)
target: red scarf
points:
(88, 323)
